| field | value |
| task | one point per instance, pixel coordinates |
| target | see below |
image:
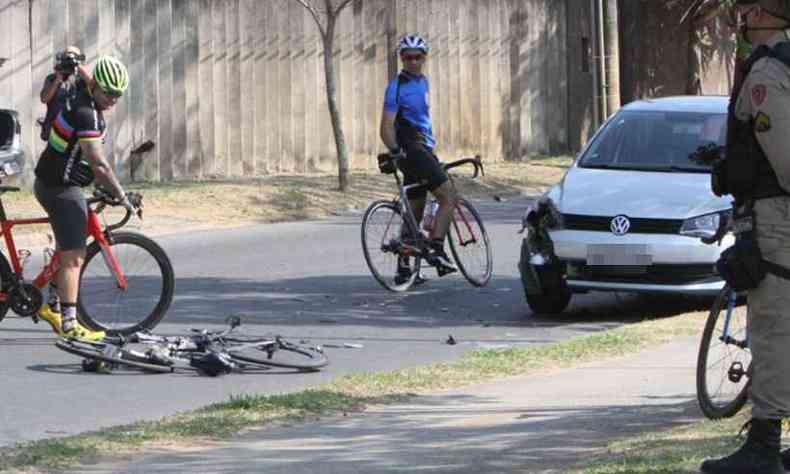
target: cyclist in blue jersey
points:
(407, 129)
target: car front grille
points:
(652, 274)
(638, 225)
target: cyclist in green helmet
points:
(74, 156)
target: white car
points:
(630, 213)
(12, 155)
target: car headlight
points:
(531, 207)
(702, 226)
(541, 212)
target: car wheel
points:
(552, 301)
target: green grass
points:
(346, 394)
(677, 451)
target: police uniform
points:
(764, 100)
(756, 172)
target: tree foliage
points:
(709, 22)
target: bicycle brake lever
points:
(479, 163)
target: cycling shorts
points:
(68, 214)
(421, 166)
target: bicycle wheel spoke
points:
(469, 244)
(722, 380)
(142, 302)
(383, 244)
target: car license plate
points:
(616, 254)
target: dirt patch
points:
(190, 206)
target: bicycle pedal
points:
(441, 270)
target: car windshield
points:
(655, 141)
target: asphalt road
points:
(305, 280)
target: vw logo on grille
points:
(620, 225)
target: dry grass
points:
(184, 206)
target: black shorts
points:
(67, 211)
(421, 166)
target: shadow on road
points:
(358, 300)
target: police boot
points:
(786, 459)
(758, 455)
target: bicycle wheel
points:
(111, 354)
(104, 306)
(277, 353)
(382, 244)
(724, 359)
(469, 244)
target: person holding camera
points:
(756, 172)
(73, 157)
(70, 73)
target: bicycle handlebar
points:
(198, 336)
(476, 161)
(103, 198)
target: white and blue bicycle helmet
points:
(412, 42)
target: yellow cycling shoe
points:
(52, 317)
(84, 334)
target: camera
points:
(66, 63)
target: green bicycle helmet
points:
(111, 75)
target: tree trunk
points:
(694, 77)
(334, 113)
(611, 56)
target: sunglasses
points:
(113, 94)
(412, 57)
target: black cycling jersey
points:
(78, 121)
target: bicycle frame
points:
(725, 337)
(50, 269)
(411, 219)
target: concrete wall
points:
(654, 45)
(230, 88)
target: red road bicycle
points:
(126, 281)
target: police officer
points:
(759, 147)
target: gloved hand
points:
(127, 203)
(135, 203)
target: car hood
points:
(656, 195)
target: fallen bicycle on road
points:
(206, 352)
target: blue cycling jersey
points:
(409, 97)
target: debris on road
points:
(345, 345)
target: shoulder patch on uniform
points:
(759, 93)
(762, 123)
